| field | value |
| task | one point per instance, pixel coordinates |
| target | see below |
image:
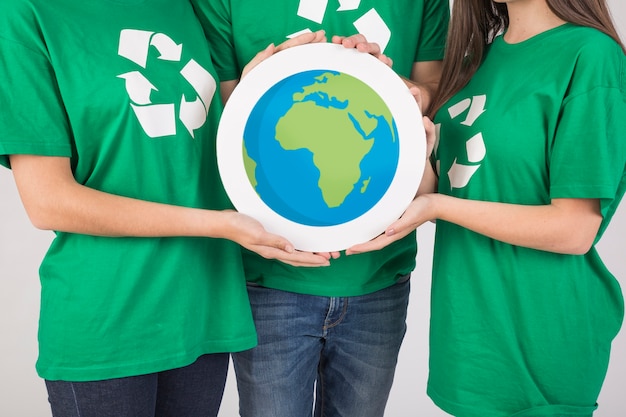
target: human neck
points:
(528, 18)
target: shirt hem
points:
(53, 373)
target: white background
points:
(22, 393)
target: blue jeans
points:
(192, 391)
(344, 350)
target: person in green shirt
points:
(108, 121)
(530, 162)
(328, 337)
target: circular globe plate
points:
(323, 145)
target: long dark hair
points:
(475, 23)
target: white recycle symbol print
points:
(370, 24)
(459, 174)
(159, 120)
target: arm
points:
(55, 201)
(564, 226)
(425, 75)
(226, 89)
(429, 181)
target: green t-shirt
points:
(517, 331)
(409, 31)
(127, 90)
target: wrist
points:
(432, 206)
(217, 223)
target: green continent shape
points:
(338, 144)
(363, 101)
(337, 147)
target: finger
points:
(280, 243)
(369, 48)
(396, 231)
(329, 255)
(374, 244)
(354, 40)
(277, 247)
(416, 92)
(302, 39)
(320, 36)
(297, 258)
(359, 42)
(326, 255)
(401, 227)
(385, 60)
(337, 39)
(302, 265)
(362, 45)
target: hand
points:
(414, 216)
(302, 39)
(250, 234)
(415, 91)
(361, 44)
(329, 255)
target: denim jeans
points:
(192, 391)
(344, 350)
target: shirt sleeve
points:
(215, 17)
(434, 30)
(588, 155)
(33, 119)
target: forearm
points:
(227, 88)
(55, 201)
(428, 184)
(564, 226)
(87, 211)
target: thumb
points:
(416, 92)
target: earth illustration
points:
(320, 148)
